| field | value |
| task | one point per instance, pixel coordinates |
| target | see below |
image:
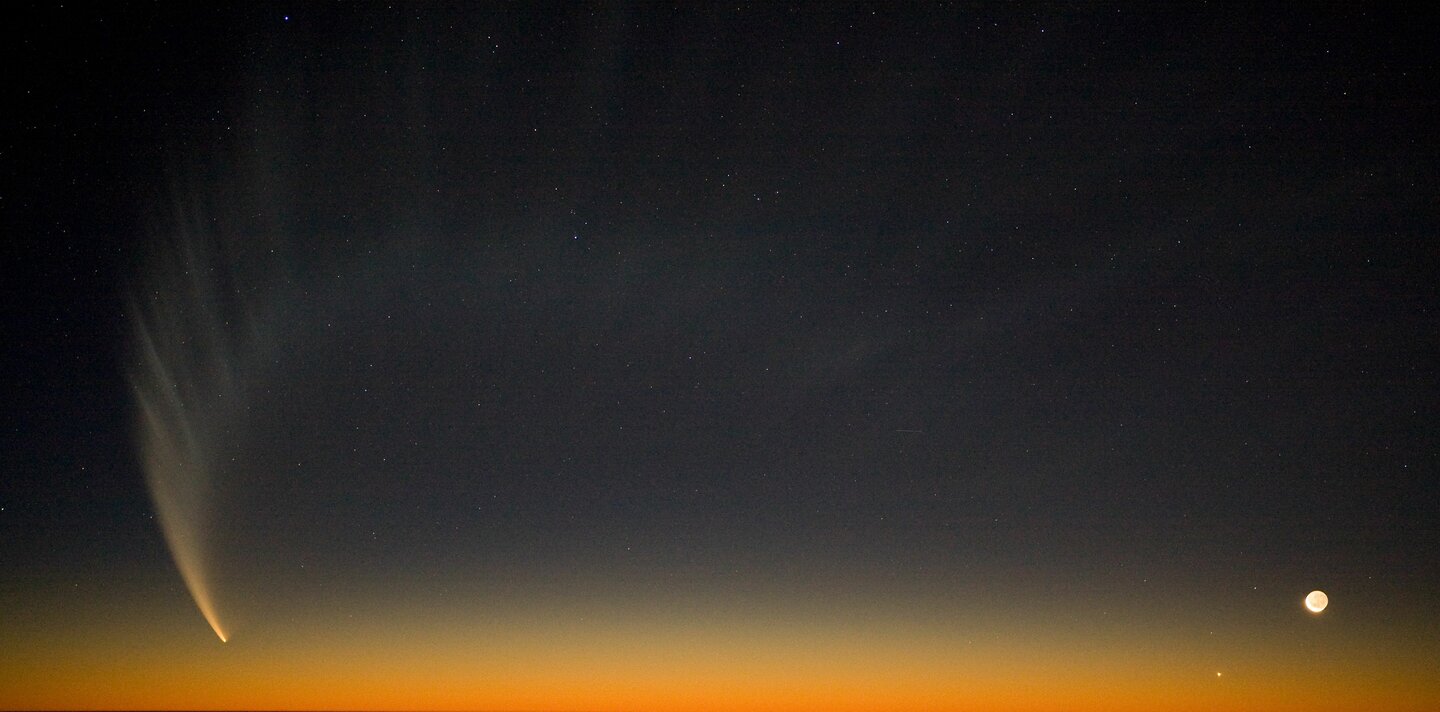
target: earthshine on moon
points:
(1317, 601)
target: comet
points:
(177, 485)
(188, 338)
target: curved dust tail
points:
(189, 323)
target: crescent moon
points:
(1317, 601)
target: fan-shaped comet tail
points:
(185, 344)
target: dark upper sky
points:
(999, 298)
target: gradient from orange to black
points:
(765, 357)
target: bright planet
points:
(1317, 601)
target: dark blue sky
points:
(1056, 295)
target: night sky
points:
(608, 357)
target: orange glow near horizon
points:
(703, 659)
